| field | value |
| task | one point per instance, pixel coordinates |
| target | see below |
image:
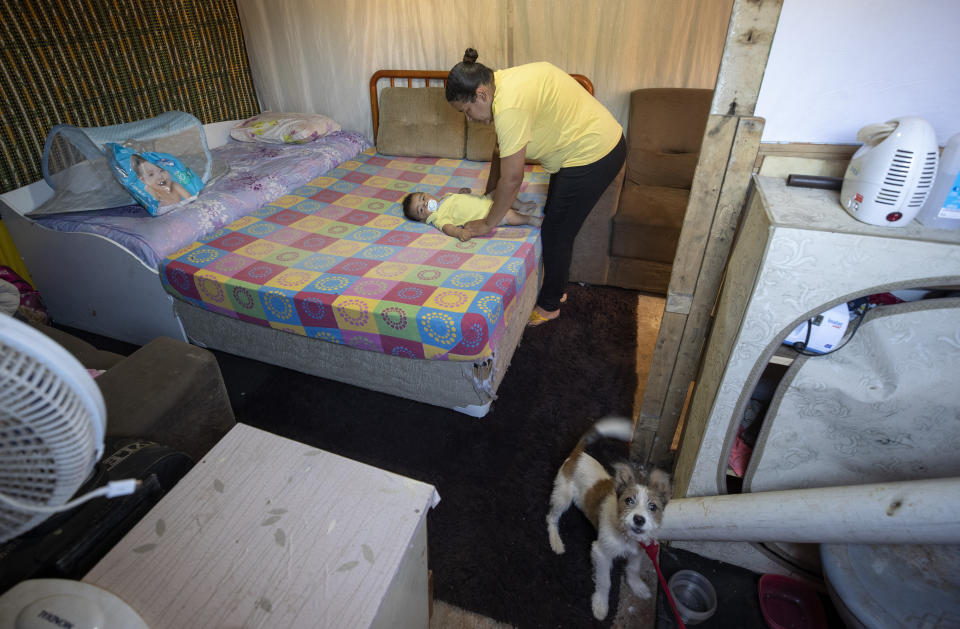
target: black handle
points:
(815, 181)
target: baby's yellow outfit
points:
(458, 209)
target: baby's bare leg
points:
(515, 218)
(525, 207)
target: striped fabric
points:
(99, 62)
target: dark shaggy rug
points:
(487, 538)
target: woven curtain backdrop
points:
(101, 62)
(317, 55)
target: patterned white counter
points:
(798, 254)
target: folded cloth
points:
(9, 298)
(29, 304)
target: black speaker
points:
(69, 544)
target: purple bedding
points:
(259, 174)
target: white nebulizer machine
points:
(890, 177)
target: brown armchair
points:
(663, 141)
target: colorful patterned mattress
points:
(337, 260)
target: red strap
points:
(652, 548)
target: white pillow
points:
(284, 128)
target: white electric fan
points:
(52, 424)
(890, 176)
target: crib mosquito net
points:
(77, 167)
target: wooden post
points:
(727, 157)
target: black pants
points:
(571, 195)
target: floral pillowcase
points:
(284, 128)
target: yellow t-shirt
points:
(459, 209)
(540, 106)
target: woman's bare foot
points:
(539, 316)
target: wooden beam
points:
(720, 185)
(704, 195)
(745, 52)
(713, 214)
(726, 218)
(698, 220)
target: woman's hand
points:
(505, 193)
(457, 231)
(478, 227)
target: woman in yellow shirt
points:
(541, 113)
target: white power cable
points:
(110, 490)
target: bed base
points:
(464, 386)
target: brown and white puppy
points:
(626, 509)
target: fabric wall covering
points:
(317, 55)
(100, 62)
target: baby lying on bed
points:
(450, 212)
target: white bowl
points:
(694, 595)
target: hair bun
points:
(470, 56)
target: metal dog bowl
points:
(694, 595)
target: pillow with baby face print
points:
(158, 181)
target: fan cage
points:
(51, 424)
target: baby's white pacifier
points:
(432, 205)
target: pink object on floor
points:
(790, 604)
(739, 455)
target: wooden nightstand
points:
(269, 532)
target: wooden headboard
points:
(428, 77)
